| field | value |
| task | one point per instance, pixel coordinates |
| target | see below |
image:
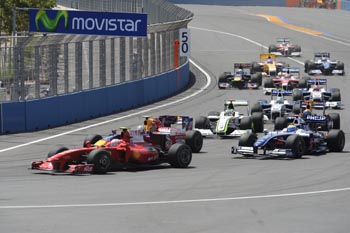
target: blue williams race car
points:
(313, 135)
(322, 64)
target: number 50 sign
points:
(185, 44)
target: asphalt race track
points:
(218, 193)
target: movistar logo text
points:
(50, 24)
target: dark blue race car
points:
(316, 134)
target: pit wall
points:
(340, 4)
(32, 115)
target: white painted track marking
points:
(176, 202)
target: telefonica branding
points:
(86, 22)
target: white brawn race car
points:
(230, 122)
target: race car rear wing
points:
(276, 92)
(238, 102)
(315, 119)
(242, 66)
(317, 81)
(322, 54)
(291, 69)
(265, 56)
(283, 40)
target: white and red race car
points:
(283, 47)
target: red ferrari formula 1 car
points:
(131, 149)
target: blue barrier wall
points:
(55, 111)
(233, 2)
(345, 5)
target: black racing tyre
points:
(256, 68)
(257, 78)
(268, 83)
(336, 96)
(258, 121)
(101, 159)
(340, 65)
(281, 123)
(194, 140)
(256, 108)
(223, 78)
(245, 123)
(335, 89)
(247, 139)
(297, 95)
(272, 48)
(312, 66)
(335, 117)
(297, 144)
(302, 83)
(335, 140)
(56, 150)
(202, 122)
(297, 48)
(179, 155)
(93, 138)
(306, 66)
(296, 109)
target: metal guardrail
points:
(38, 66)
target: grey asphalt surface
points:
(218, 193)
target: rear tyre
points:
(202, 122)
(335, 117)
(256, 108)
(336, 140)
(93, 138)
(296, 144)
(336, 96)
(257, 78)
(101, 159)
(296, 109)
(258, 122)
(245, 123)
(56, 150)
(281, 123)
(179, 155)
(297, 95)
(194, 140)
(268, 83)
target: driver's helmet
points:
(269, 61)
(228, 112)
(115, 142)
(307, 111)
(239, 72)
(291, 128)
(324, 59)
(279, 100)
(141, 129)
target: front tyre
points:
(297, 144)
(101, 159)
